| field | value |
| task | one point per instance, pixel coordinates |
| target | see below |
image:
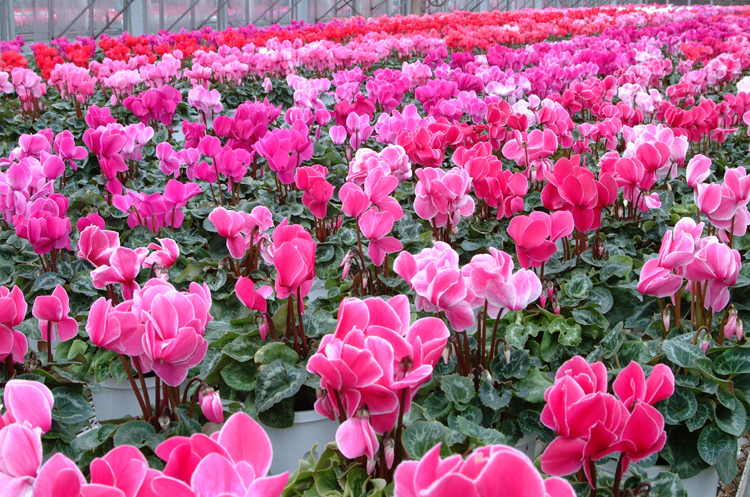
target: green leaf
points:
(713, 443)
(160, 136)
(733, 361)
(727, 467)
(731, 421)
(241, 376)
(420, 437)
(279, 415)
(70, 406)
(616, 265)
(138, 434)
(681, 452)
(530, 423)
(679, 407)
(516, 335)
(602, 297)
(492, 397)
(273, 351)
(517, 368)
(700, 417)
(277, 381)
(83, 283)
(667, 485)
(682, 353)
(485, 436)
(570, 331)
(579, 286)
(243, 348)
(436, 406)
(536, 383)
(47, 281)
(458, 389)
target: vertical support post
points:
(135, 18)
(51, 18)
(161, 14)
(222, 15)
(303, 11)
(416, 7)
(92, 28)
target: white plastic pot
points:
(290, 445)
(117, 400)
(704, 484)
(527, 445)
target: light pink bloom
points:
(124, 265)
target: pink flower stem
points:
(290, 310)
(494, 340)
(361, 255)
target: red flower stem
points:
(300, 310)
(133, 385)
(49, 344)
(618, 478)
(146, 400)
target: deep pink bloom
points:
(493, 470)
(115, 328)
(376, 226)
(66, 148)
(164, 254)
(294, 259)
(252, 299)
(124, 265)
(54, 309)
(286, 149)
(631, 385)
(229, 225)
(317, 191)
(535, 235)
(97, 245)
(91, 219)
(20, 459)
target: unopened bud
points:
(666, 317)
(389, 448)
(164, 422)
(370, 466)
(506, 351)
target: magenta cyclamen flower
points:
(285, 149)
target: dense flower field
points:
(447, 233)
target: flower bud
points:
(164, 422)
(210, 403)
(666, 317)
(389, 448)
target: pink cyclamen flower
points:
(376, 226)
(164, 254)
(252, 299)
(20, 459)
(91, 219)
(175, 324)
(97, 245)
(229, 225)
(698, 170)
(317, 191)
(210, 403)
(443, 196)
(124, 265)
(535, 235)
(12, 313)
(49, 309)
(29, 403)
(522, 288)
(436, 278)
(235, 459)
(294, 260)
(115, 328)
(490, 471)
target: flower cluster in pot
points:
(517, 196)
